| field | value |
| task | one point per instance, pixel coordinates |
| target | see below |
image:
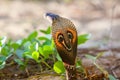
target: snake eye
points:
(60, 38)
(70, 36)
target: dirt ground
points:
(100, 18)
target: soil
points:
(33, 71)
(101, 19)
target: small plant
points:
(5, 51)
(32, 47)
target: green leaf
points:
(27, 55)
(35, 55)
(47, 49)
(0, 43)
(99, 55)
(24, 41)
(58, 57)
(33, 47)
(19, 62)
(2, 65)
(26, 44)
(46, 55)
(79, 63)
(5, 51)
(43, 38)
(15, 46)
(111, 77)
(83, 38)
(2, 62)
(58, 67)
(46, 43)
(33, 35)
(53, 44)
(90, 57)
(36, 46)
(2, 59)
(9, 43)
(48, 31)
(47, 40)
(19, 53)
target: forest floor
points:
(18, 18)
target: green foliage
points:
(111, 77)
(5, 51)
(83, 38)
(48, 31)
(21, 63)
(58, 67)
(2, 62)
(35, 56)
(31, 47)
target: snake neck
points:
(70, 72)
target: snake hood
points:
(65, 37)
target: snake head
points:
(65, 37)
(52, 16)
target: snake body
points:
(65, 37)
